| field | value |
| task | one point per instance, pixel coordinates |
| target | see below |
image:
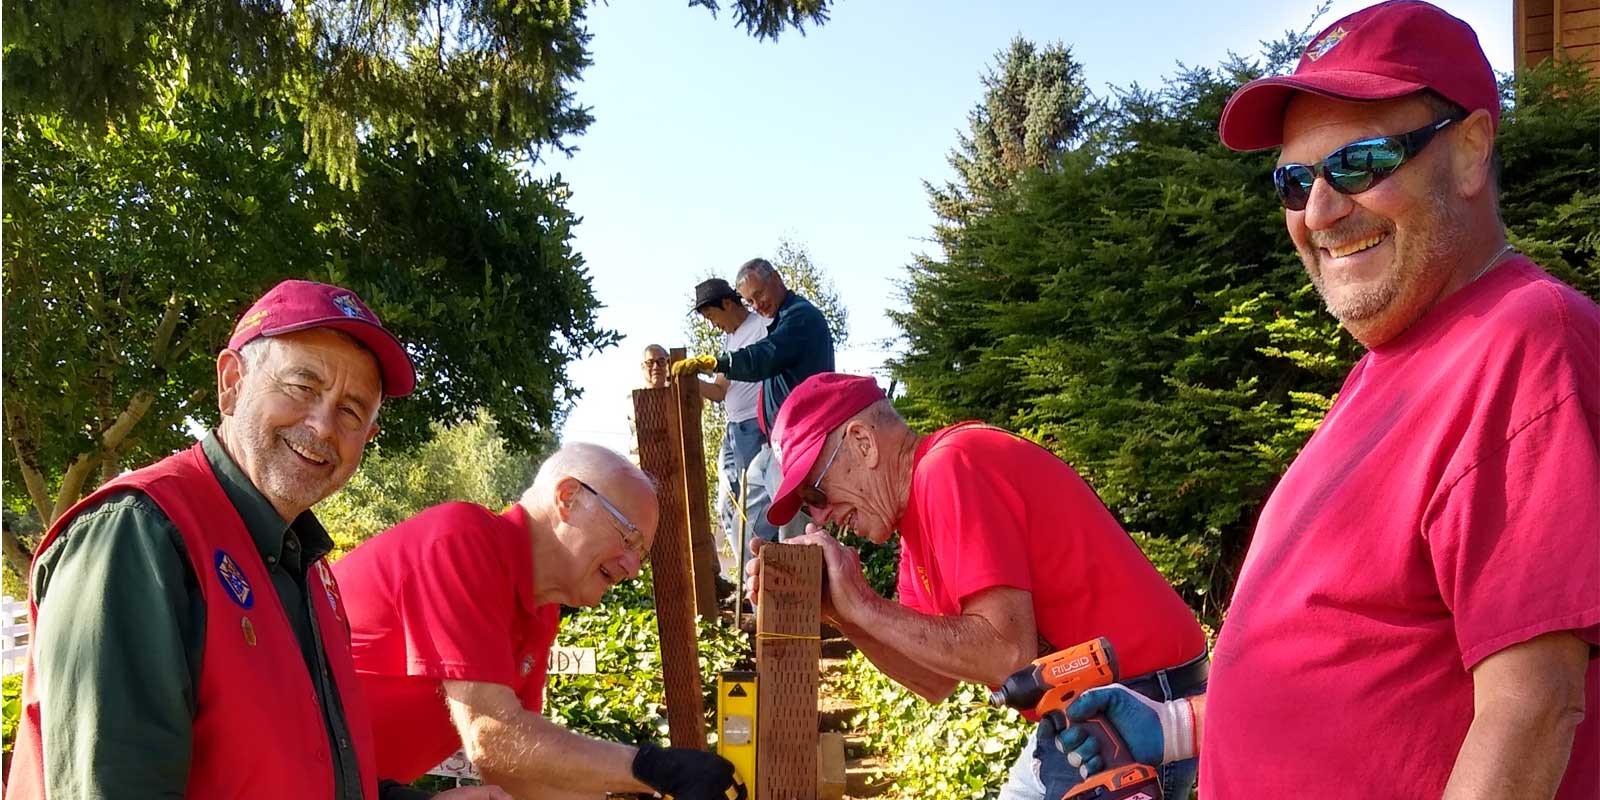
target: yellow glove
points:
(694, 365)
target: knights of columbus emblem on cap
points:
(1321, 47)
(234, 581)
(347, 304)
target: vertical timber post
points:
(788, 627)
(692, 439)
(655, 415)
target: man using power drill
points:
(1006, 554)
(1421, 600)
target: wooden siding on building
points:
(1539, 27)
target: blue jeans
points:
(1042, 771)
(763, 480)
(740, 444)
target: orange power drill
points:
(1050, 684)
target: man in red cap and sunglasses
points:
(187, 639)
(1419, 610)
(1005, 554)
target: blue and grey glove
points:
(1156, 733)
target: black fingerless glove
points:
(685, 774)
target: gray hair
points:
(253, 351)
(589, 463)
(759, 267)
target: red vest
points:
(258, 728)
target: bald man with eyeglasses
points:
(461, 603)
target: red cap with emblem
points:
(1378, 53)
(819, 404)
(299, 305)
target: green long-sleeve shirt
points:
(121, 631)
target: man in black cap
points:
(720, 305)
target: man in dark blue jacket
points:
(798, 345)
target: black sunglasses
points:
(1356, 167)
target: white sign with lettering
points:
(572, 661)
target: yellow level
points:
(736, 724)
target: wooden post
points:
(788, 627)
(692, 441)
(655, 415)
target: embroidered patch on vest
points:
(249, 631)
(330, 589)
(526, 666)
(234, 581)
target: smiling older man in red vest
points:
(187, 636)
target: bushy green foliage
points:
(469, 462)
(1550, 196)
(879, 562)
(11, 705)
(1139, 309)
(960, 748)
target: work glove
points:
(694, 365)
(1156, 733)
(686, 774)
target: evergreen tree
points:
(1035, 105)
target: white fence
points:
(13, 634)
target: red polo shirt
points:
(447, 594)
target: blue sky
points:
(708, 146)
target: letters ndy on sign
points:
(572, 661)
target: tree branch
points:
(169, 323)
(78, 474)
(17, 552)
(28, 462)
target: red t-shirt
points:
(1446, 509)
(989, 508)
(447, 594)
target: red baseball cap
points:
(1378, 53)
(298, 305)
(819, 404)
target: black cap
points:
(711, 292)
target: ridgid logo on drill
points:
(1063, 670)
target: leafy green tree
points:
(126, 265)
(433, 73)
(1138, 308)
(469, 462)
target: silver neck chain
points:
(1493, 260)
